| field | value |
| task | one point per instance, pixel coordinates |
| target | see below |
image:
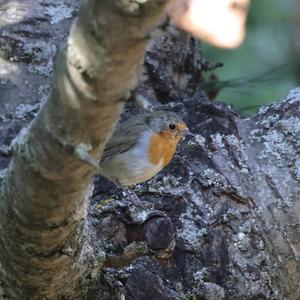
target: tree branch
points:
(45, 193)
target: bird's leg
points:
(137, 203)
(128, 192)
(132, 194)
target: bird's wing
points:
(125, 137)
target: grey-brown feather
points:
(125, 158)
(127, 134)
(160, 120)
(125, 137)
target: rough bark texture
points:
(45, 191)
(231, 198)
(226, 217)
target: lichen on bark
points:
(220, 222)
(230, 194)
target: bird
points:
(141, 147)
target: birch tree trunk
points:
(45, 191)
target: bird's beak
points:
(187, 133)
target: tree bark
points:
(231, 197)
(225, 221)
(45, 191)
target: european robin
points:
(141, 147)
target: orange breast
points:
(162, 146)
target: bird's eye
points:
(172, 126)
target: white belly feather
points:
(133, 166)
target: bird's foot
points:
(138, 210)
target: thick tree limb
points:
(45, 192)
